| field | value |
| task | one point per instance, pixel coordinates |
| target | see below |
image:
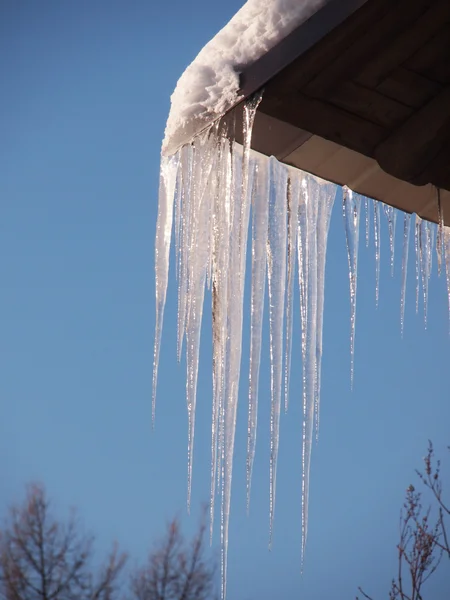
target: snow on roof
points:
(209, 87)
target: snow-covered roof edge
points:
(209, 86)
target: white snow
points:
(210, 84)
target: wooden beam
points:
(403, 46)
(370, 104)
(270, 136)
(296, 44)
(325, 120)
(333, 43)
(433, 59)
(437, 171)
(409, 88)
(349, 64)
(415, 144)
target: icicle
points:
(391, 216)
(303, 275)
(276, 261)
(236, 283)
(417, 246)
(324, 196)
(311, 337)
(221, 234)
(367, 204)
(259, 242)
(197, 245)
(219, 260)
(221, 242)
(307, 286)
(431, 247)
(406, 230)
(236, 280)
(292, 212)
(177, 224)
(169, 168)
(351, 211)
(377, 242)
(302, 251)
(186, 161)
(233, 352)
(446, 257)
(214, 181)
(424, 242)
(440, 234)
(313, 218)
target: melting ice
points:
(211, 192)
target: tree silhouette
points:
(424, 540)
(42, 558)
(176, 569)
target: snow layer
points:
(210, 85)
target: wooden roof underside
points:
(360, 95)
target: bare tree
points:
(424, 541)
(42, 558)
(175, 569)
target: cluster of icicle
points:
(210, 190)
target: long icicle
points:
(221, 243)
(234, 338)
(424, 265)
(303, 280)
(186, 162)
(219, 250)
(167, 187)
(236, 280)
(302, 253)
(431, 246)
(440, 233)
(276, 261)
(198, 259)
(325, 196)
(292, 211)
(377, 242)
(236, 284)
(226, 191)
(446, 257)
(259, 261)
(367, 204)
(406, 231)
(417, 246)
(220, 258)
(391, 216)
(304, 285)
(351, 204)
(314, 212)
(308, 232)
(177, 223)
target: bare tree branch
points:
(176, 570)
(423, 543)
(45, 559)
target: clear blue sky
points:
(85, 90)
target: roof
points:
(359, 94)
(209, 86)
